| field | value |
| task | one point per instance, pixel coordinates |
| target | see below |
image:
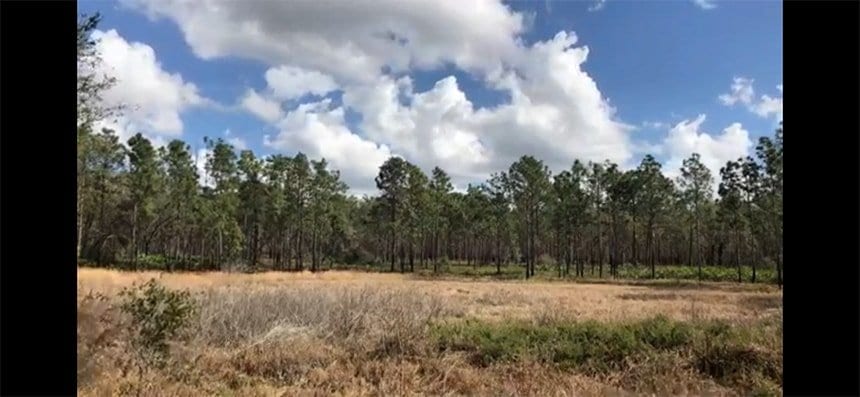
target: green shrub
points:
(661, 333)
(589, 346)
(734, 356)
(709, 273)
(157, 316)
(150, 262)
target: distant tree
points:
(499, 203)
(252, 199)
(414, 210)
(91, 83)
(695, 183)
(90, 109)
(731, 205)
(440, 189)
(528, 183)
(654, 201)
(391, 181)
(598, 183)
(182, 200)
(101, 165)
(145, 179)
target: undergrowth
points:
(748, 358)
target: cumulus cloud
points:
(318, 129)
(556, 113)
(289, 82)
(705, 4)
(742, 92)
(768, 106)
(597, 6)
(366, 50)
(262, 107)
(351, 43)
(154, 98)
(687, 137)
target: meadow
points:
(370, 333)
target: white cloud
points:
(742, 92)
(556, 111)
(318, 130)
(686, 138)
(154, 98)
(705, 4)
(350, 43)
(768, 106)
(597, 6)
(264, 108)
(289, 82)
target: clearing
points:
(359, 333)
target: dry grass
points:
(351, 333)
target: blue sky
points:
(657, 63)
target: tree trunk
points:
(648, 243)
(738, 254)
(412, 257)
(134, 237)
(690, 252)
(80, 224)
(779, 263)
(220, 248)
(635, 257)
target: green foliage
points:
(730, 355)
(589, 346)
(157, 316)
(709, 273)
(159, 262)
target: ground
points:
(363, 333)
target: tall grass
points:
(277, 335)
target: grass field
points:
(366, 333)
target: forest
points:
(141, 206)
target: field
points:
(365, 333)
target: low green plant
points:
(742, 357)
(157, 315)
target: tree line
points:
(136, 202)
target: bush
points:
(729, 355)
(157, 315)
(151, 262)
(589, 346)
(709, 273)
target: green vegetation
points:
(734, 356)
(157, 315)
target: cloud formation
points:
(687, 137)
(154, 98)
(742, 92)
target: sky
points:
(467, 85)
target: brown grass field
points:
(354, 333)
